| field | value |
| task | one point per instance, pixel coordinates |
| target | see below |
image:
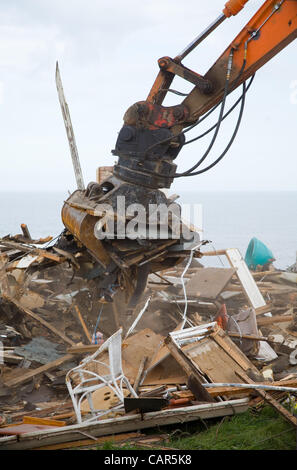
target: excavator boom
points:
(272, 28)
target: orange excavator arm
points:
(171, 67)
(153, 134)
(270, 30)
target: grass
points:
(261, 430)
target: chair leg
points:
(130, 388)
(118, 391)
(91, 404)
(75, 404)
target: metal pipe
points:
(252, 386)
(200, 38)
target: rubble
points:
(200, 341)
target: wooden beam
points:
(39, 319)
(276, 319)
(261, 274)
(214, 253)
(83, 349)
(124, 424)
(265, 309)
(200, 393)
(44, 421)
(274, 403)
(46, 412)
(33, 250)
(25, 231)
(35, 372)
(84, 326)
(140, 373)
(252, 338)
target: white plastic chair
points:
(114, 380)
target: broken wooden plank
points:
(21, 239)
(252, 337)
(153, 392)
(200, 393)
(38, 318)
(265, 309)
(83, 349)
(45, 412)
(10, 358)
(214, 253)
(262, 274)
(208, 283)
(274, 403)
(140, 373)
(45, 421)
(32, 249)
(276, 319)
(35, 372)
(26, 232)
(19, 429)
(84, 326)
(125, 424)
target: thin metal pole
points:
(201, 37)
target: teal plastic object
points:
(257, 254)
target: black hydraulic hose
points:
(218, 125)
(200, 120)
(225, 116)
(230, 143)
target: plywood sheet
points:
(167, 372)
(208, 283)
(213, 361)
(103, 399)
(144, 343)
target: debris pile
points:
(202, 343)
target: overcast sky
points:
(107, 52)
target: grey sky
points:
(107, 52)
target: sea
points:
(230, 219)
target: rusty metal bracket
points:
(169, 65)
